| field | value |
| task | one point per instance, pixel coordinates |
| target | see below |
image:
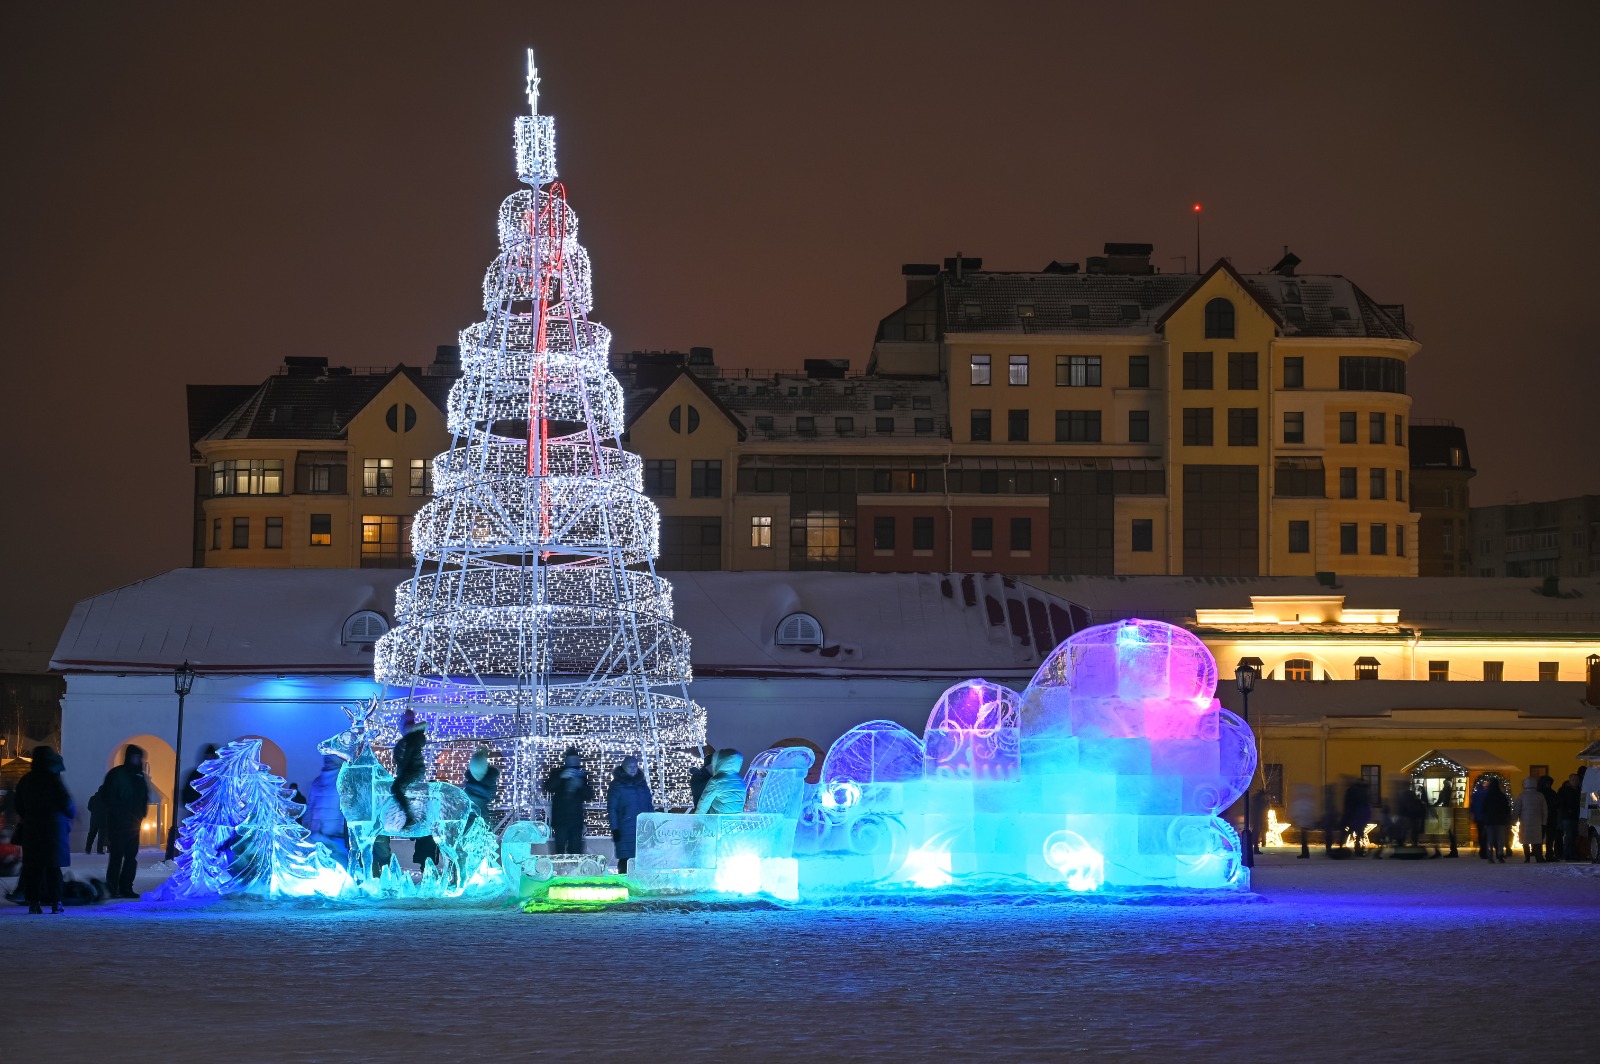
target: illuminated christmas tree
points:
(244, 836)
(535, 620)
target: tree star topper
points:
(533, 85)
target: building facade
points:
(318, 467)
(1441, 472)
(1111, 421)
(1545, 539)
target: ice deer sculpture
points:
(371, 812)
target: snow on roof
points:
(1461, 604)
(289, 620)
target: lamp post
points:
(182, 684)
(1245, 677)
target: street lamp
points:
(1245, 677)
(182, 684)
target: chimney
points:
(305, 365)
(447, 355)
(961, 264)
(920, 277)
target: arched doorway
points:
(158, 763)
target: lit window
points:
(1297, 669)
(1017, 369)
(322, 530)
(251, 476)
(382, 541)
(1366, 668)
(377, 476)
(1083, 371)
(363, 628)
(761, 532)
(1438, 671)
(419, 476)
(981, 369)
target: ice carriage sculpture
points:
(1108, 772)
(734, 853)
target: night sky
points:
(191, 192)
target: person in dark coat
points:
(97, 824)
(46, 810)
(481, 782)
(1475, 808)
(190, 796)
(1357, 813)
(1446, 804)
(1497, 821)
(701, 776)
(410, 764)
(627, 796)
(125, 795)
(1567, 805)
(1552, 823)
(569, 788)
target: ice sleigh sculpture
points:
(1108, 773)
(732, 853)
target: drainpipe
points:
(949, 506)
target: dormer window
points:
(1080, 312)
(1339, 313)
(1294, 315)
(972, 311)
(1130, 312)
(363, 628)
(1025, 311)
(799, 630)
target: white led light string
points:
(535, 619)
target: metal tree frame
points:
(535, 619)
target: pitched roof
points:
(295, 407)
(644, 400)
(1323, 306)
(209, 404)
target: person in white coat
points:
(1531, 813)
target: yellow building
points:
(1111, 420)
(316, 467)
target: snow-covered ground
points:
(1350, 960)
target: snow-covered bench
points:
(736, 853)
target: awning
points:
(1470, 760)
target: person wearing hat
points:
(47, 811)
(569, 788)
(410, 764)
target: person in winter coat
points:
(97, 824)
(701, 776)
(569, 788)
(125, 795)
(1567, 805)
(1531, 813)
(481, 782)
(47, 810)
(725, 791)
(190, 796)
(1357, 813)
(1446, 804)
(410, 765)
(627, 797)
(1475, 810)
(1496, 806)
(324, 817)
(1552, 819)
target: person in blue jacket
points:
(627, 797)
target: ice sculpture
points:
(244, 836)
(1108, 772)
(974, 732)
(731, 853)
(370, 810)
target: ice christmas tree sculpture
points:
(535, 619)
(243, 836)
